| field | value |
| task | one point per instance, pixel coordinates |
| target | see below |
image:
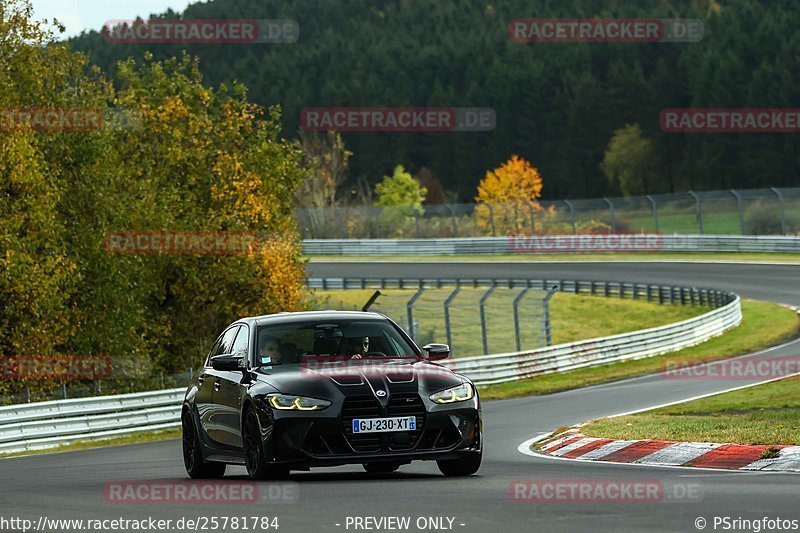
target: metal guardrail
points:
(550, 244)
(47, 424)
(501, 368)
(41, 425)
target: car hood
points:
(358, 377)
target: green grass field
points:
(715, 222)
(764, 414)
(573, 317)
(763, 325)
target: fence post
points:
(780, 204)
(547, 332)
(342, 223)
(447, 303)
(453, 217)
(517, 299)
(613, 214)
(483, 318)
(741, 210)
(378, 219)
(572, 216)
(491, 219)
(699, 208)
(410, 312)
(532, 215)
(371, 300)
(655, 210)
(416, 222)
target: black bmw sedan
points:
(292, 391)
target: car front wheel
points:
(258, 467)
(196, 467)
(463, 466)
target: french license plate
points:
(384, 425)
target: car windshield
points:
(330, 339)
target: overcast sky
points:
(79, 15)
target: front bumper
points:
(325, 438)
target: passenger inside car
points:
(268, 351)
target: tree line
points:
(562, 106)
(187, 158)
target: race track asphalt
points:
(71, 484)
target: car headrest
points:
(326, 345)
(288, 352)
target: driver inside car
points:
(357, 347)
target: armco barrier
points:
(523, 245)
(43, 425)
(501, 368)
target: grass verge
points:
(764, 324)
(764, 414)
(135, 438)
(573, 317)
(632, 256)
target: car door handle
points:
(216, 385)
(201, 379)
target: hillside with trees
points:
(560, 105)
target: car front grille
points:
(401, 404)
(361, 407)
(406, 404)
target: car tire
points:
(381, 468)
(258, 467)
(196, 467)
(463, 466)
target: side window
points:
(240, 344)
(227, 341)
(213, 351)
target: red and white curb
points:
(572, 444)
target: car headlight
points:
(462, 392)
(288, 402)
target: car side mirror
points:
(437, 351)
(227, 362)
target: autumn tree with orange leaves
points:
(507, 198)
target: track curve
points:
(70, 485)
